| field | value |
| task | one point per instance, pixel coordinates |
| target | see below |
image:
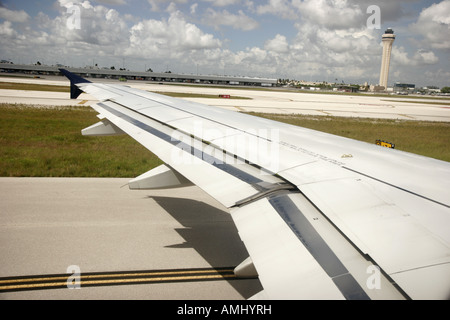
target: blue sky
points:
(313, 40)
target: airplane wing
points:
(321, 216)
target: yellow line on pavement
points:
(98, 279)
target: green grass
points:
(47, 142)
(37, 142)
(33, 87)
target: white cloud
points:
(322, 44)
(332, 39)
(434, 25)
(238, 21)
(106, 33)
(278, 44)
(424, 57)
(281, 8)
(13, 16)
(6, 30)
(332, 14)
(101, 32)
(99, 26)
(171, 38)
(421, 57)
(400, 56)
(156, 4)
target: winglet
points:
(74, 80)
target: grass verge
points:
(46, 142)
(33, 87)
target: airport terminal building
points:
(135, 75)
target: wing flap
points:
(276, 251)
(298, 254)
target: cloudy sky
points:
(313, 40)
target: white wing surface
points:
(322, 216)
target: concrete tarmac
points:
(49, 224)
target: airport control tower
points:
(388, 40)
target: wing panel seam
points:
(397, 187)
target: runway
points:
(50, 224)
(266, 101)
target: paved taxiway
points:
(47, 225)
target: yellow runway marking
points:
(114, 278)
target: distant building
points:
(431, 90)
(346, 88)
(96, 72)
(404, 87)
(388, 39)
